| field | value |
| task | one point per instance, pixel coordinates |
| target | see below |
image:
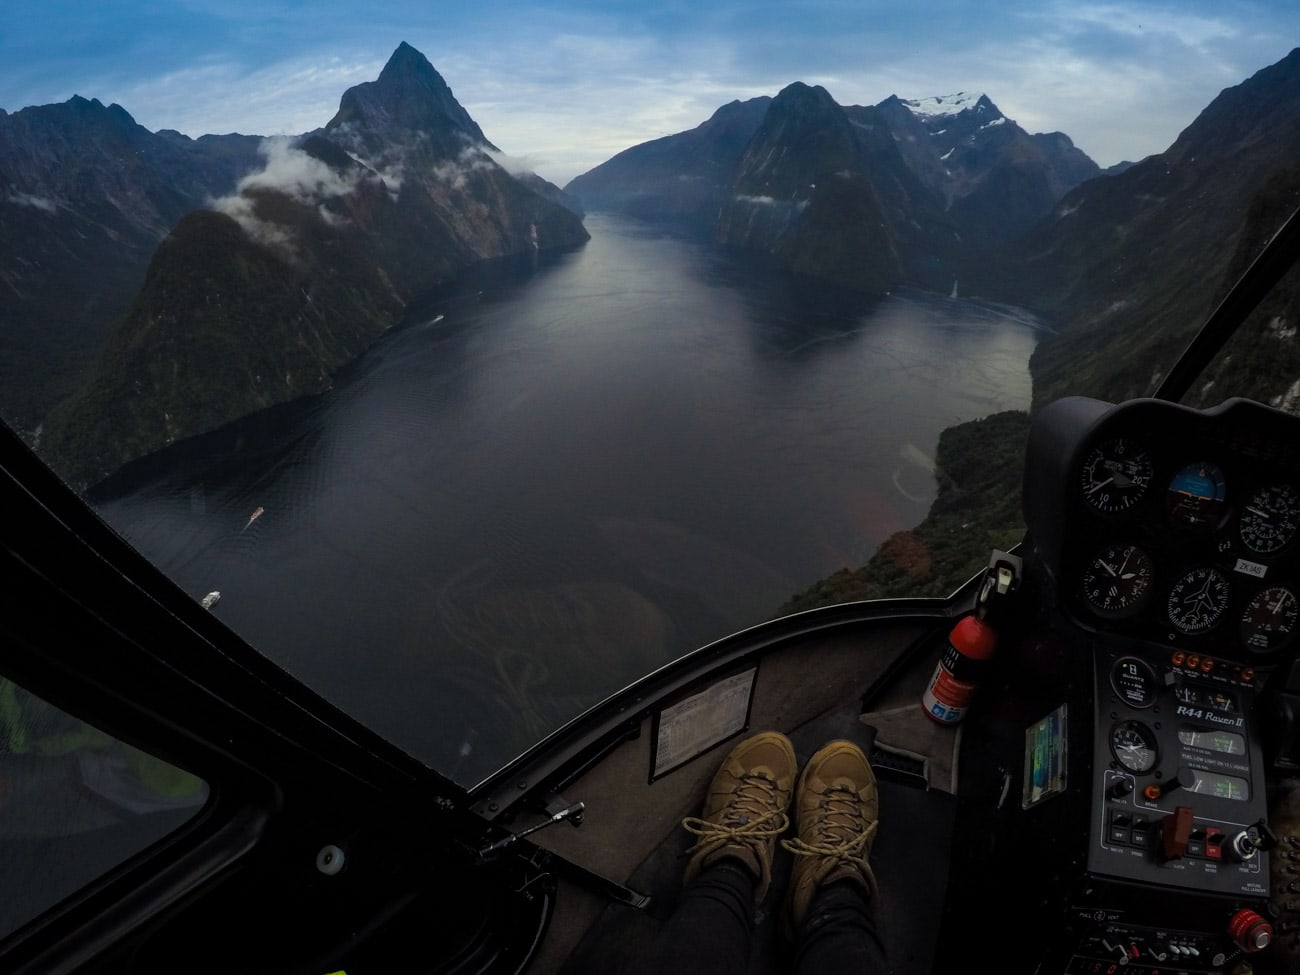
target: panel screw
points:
(330, 859)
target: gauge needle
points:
(1201, 600)
(1256, 511)
(1099, 485)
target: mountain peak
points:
(945, 106)
(409, 95)
(406, 64)
(798, 91)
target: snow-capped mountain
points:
(994, 179)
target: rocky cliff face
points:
(683, 178)
(311, 258)
(994, 178)
(86, 194)
(830, 196)
(1133, 264)
(941, 178)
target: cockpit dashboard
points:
(1163, 549)
(1172, 525)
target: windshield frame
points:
(1279, 255)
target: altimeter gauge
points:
(1270, 518)
(1134, 746)
(1198, 600)
(1118, 580)
(1269, 620)
(1115, 476)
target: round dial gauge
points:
(1196, 495)
(1269, 619)
(1134, 746)
(1134, 681)
(1118, 580)
(1115, 475)
(1270, 518)
(1198, 600)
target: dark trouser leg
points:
(711, 929)
(839, 934)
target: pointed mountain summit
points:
(947, 106)
(409, 96)
(805, 191)
(261, 298)
(994, 178)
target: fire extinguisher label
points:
(964, 669)
(947, 698)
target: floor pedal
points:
(900, 766)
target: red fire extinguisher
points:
(951, 689)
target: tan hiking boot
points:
(836, 816)
(746, 808)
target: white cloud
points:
(455, 173)
(298, 175)
(569, 87)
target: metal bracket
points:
(1001, 582)
(559, 810)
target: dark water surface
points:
(560, 474)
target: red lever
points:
(1175, 831)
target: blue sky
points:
(565, 84)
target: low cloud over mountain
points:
(259, 297)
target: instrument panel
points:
(1167, 538)
(1173, 525)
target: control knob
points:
(1247, 843)
(1250, 931)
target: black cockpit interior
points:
(1119, 795)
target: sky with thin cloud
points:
(565, 84)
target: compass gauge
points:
(1198, 600)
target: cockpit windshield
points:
(472, 366)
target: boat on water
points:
(1119, 792)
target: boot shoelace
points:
(755, 812)
(842, 835)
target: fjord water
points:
(563, 472)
